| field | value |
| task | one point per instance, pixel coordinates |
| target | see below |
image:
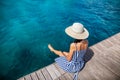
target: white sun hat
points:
(77, 31)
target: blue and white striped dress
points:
(73, 66)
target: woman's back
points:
(81, 45)
(79, 49)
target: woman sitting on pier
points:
(73, 61)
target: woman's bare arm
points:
(69, 54)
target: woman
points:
(73, 61)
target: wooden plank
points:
(34, 76)
(59, 69)
(87, 73)
(46, 74)
(95, 50)
(100, 71)
(108, 40)
(68, 77)
(115, 55)
(71, 74)
(21, 78)
(107, 43)
(114, 40)
(93, 70)
(62, 77)
(51, 69)
(100, 47)
(116, 49)
(110, 52)
(55, 70)
(117, 36)
(109, 61)
(81, 76)
(40, 75)
(97, 53)
(84, 75)
(28, 77)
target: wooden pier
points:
(102, 63)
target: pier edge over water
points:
(103, 64)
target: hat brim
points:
(74, 35)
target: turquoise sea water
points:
(28, 26)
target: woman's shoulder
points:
(72, 44)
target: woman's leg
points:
(55, 51)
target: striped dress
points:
(73, 66)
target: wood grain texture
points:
(40, 75)
(34, 76)
(46, 74)
(28, 77)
